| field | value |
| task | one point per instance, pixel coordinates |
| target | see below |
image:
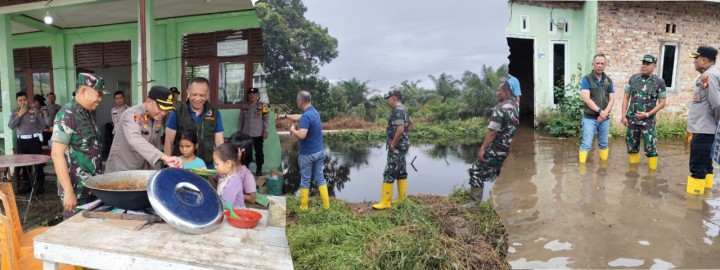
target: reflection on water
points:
(561, 214)
(558, 213)
(434, 169)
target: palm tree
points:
(445, 85)
(355, 90)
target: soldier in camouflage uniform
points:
(644, 96)
(399, 124)
(496, 147)
(76, 152)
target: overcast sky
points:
(386, 42)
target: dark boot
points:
(475, 197)
(258, 170)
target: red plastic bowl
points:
(248, 218)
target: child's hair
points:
(231, 149)
(190, 136)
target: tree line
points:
(295, 48)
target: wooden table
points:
(21, 161)
(87, 242)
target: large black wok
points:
(125, 199)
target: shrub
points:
(564, 119)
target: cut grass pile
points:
(424, 232)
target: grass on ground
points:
(424, 232)
(457, 131)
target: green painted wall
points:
(168, 37)
(538, 30)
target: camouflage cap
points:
(649, 58)
(92, 80)
(392, 93)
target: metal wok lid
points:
(185, 201)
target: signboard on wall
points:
(232, 48)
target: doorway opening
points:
(110, 60)
(522, 67)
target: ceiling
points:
(120, 11)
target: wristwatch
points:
(599, 110)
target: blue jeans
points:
(589, 127)
(312, 165)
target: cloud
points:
(386, 42)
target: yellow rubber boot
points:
(304, 195)
(324, 196)
(604, 154)
(402, 191)
(634, 158)
(385, 197)
(709, 178)
(695, 186)
(652, 163)
(583, 156)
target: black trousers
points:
(700, 160)
(259, 156)
(31, 146)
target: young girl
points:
(237, 184)
(188, 143)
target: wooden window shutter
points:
(32, 58)
(204, 45)
(108, 54)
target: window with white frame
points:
(668, 64)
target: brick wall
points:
(627, 30)
(574, 5)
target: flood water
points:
(557, 213)
(355, 171)
(614, 216)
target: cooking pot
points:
(125, 199)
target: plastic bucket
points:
(274, 185)
(695, 186)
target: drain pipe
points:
(143, 50)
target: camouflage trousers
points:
(648, 135)
(396, 166)
(488, 170)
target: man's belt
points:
(30, 136)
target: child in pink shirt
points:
(236, 184)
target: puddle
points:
(607, 210)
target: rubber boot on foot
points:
(402, 191)
(604, 154)
(634, 158)
(304, 196)
(583, 156)
(652, 163)
(324, 196)
(385, 197)
(476, 194)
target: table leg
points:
(50, 265)
(32, 175)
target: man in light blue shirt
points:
(515, 87)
